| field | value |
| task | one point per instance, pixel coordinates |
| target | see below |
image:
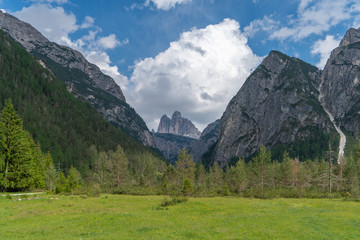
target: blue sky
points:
(188, 55)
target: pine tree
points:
(200, 177)
(61, 183)
(149, 174)
(121, 165)
(185, 166)
(351, 176)
(169, 179)
(287, 170)
(239, 181)
(74, 180)
(50, 177)
(187, 187)
(261, 162)
(15, 153)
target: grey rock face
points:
(178, 125)
(83, 78)
(341, 82)
(277, 105)
(351, 36)
(208, 138)
(171, 144)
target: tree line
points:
(59, 122)
(261, 177)
(22, 163)
(24, 166)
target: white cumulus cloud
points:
(88, 22)
(109, 41)
(324, 48)
(56, 24)
(53, 22)
(166, 4)
(102, 60)
(267, 24)
(197, 75)
(315, 17)
(311, 18)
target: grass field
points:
(139, 217)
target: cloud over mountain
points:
(56, 24)
(198, 74)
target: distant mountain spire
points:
(178, 125)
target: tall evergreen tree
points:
(287, 170)
(237, 181)
(261, 162)
(185, 166)
(15, 153)
(121, 163)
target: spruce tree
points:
(238, 180)
(261, 162)
(74, 180)
(287, 170)
(185, 166)
(121, 164)
(200, 177)
(15, 153)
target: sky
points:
(190, 56)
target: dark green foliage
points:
(74, 180)
(187, 188)
(114, 173)
(84, 86)
(173, 201)
(22, 164)
(16, 163)
(180, 141)
(312, 147)
(63, 125)
(185, 166)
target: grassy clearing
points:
(139, 217)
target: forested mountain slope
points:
(82, 78)
(64, 125)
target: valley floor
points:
(139, 217)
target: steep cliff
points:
(83, 78)
(178, 125)
(341, 83)
(208, 138)
(277, 107)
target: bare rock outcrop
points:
(83, 78)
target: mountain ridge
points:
(64, 125)
(178, 125)
(277, 106)
(83, 78)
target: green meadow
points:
(141, 217)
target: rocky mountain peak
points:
(178, 125)
(22, 32)
(84, 79)
(176, 116)
(275, 61)
(340, 86)
(351, 36)
(277, 106)
(171, 144)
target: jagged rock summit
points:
(84, 79)
(171, 144)
(288, 104)
(277, 107)
(178, 125)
